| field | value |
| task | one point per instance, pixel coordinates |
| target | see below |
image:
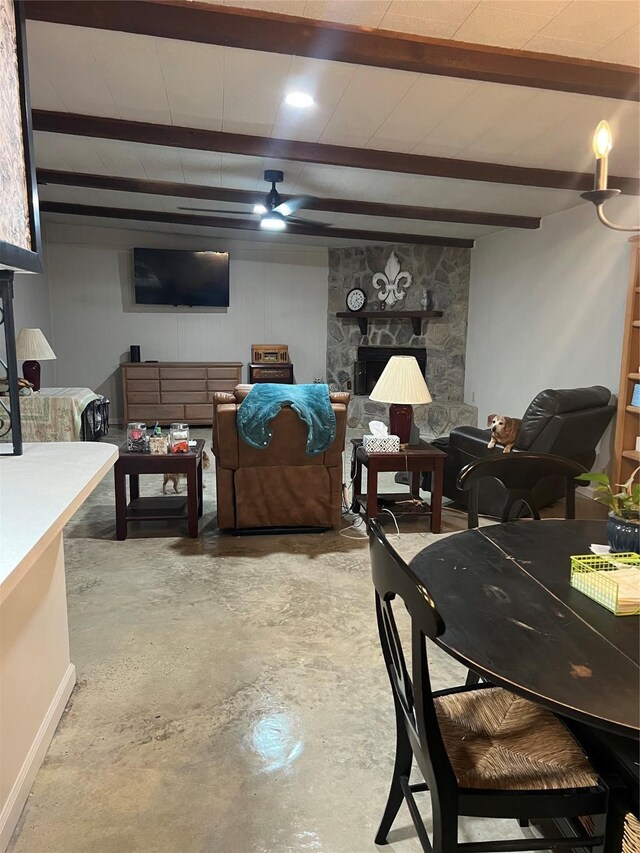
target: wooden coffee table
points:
(187, 506)
(415, 460)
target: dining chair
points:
(519, 473)
(482, 751)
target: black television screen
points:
(175, 277)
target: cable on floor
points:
(395, 521)
(357, 524)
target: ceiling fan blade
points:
(217, 210)
(297, 220)
(286, 208)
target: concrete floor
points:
(231, 695)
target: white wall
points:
(546, 310)
(277, 295)
(32, 310)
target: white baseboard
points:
(18, 797)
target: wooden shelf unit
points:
(362, 318)
(628, 421)
(175, 391)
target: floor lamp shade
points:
(32, 347)
(401, 384)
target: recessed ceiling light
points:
(299, 99)
(259, 208)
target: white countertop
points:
(39, 492)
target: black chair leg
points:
(472, 678)
(602, 826)
(445, 832)
(402, 768)
(472, 508)
(523, 821)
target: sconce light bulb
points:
(602, 140)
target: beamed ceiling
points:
(437, 121)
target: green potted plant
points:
(623, 500)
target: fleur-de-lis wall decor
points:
(392, 283)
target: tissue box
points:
(381, 443)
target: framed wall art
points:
(20, 247)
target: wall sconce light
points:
(602, 145)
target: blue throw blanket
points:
(311, 402)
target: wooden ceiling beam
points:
(250, 225)
(316, 152)
(285, 34)
(335, 205)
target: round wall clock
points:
(356, 299)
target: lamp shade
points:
(31, 345)
(401, 382)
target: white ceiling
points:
(142, 78)
(605, 30)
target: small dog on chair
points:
(504, 431)
(175, 478)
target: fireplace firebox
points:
(372, 361)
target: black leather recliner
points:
(567, 423)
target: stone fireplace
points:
(372, 361)
(354, 361)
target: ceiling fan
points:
(274, 213)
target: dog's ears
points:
(490, 418)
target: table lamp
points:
(402, 384)
(33, 347)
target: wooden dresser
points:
(170, 391)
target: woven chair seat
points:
(496, 740)
(631, 834)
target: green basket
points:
(591, 575)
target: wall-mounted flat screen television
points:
(175, 277)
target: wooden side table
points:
(415, 460)
(173, 506)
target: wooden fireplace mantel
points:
(362, 318)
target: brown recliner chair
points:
(280, 486)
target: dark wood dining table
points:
(512, 616)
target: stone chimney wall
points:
(441, 283)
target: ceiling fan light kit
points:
(275, 212)
(273, 221)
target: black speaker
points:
(135, 353)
